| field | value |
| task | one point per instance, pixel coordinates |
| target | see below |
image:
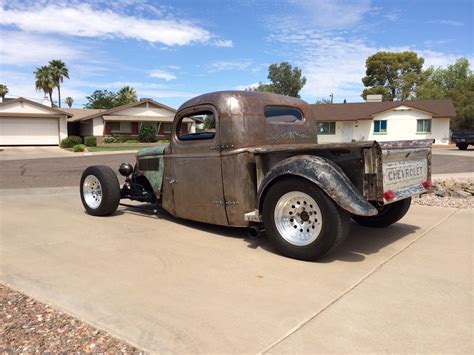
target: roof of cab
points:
(224, 100)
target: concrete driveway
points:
(173, 286)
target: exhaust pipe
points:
(255, 231)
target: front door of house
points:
(346, 132)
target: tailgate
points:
(406, 169)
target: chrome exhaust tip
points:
(255, 231)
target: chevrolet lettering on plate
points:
(402, 173)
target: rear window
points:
(283, 114)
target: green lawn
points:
(115, 148)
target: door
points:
(196, 177)
(346, 132)
(29, 131)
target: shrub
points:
(147, 133)
(79, 148)
(90, 141)
(114, 139)
(132, 141)
(70, 142)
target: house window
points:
(326, 127)
(167, 127)
(380, 126)
(122, 127)
(283, 114)
(423, 126)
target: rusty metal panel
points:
(325, 174)
(240, 186)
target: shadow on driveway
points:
(361, 241)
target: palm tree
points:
(126, 95)
(68, 100)
(44, 81)
(3, 91)
(59, 71)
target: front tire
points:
(388, 214)
(462, 146)
(301, 221)
(100, 190)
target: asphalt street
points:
(66, 171)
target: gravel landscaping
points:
(30, 326)
(455, 193)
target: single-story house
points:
(124, 120)
(384, 121)
(25, 122)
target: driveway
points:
(167, 285)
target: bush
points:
(70, 142)
(147, 133)
(114, 139)
(79, 148)
(90, 141)
(132, 141)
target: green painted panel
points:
(155, 177)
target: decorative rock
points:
(460, 194)
(441, 193)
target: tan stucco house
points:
(25, 122)
(384, 121)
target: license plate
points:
(403, 173)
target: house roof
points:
(80, 113)
(36, 104)
(366, 110)
(124, 107)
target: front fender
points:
(327, 175)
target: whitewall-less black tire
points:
(100, 190)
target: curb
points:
(67, 190)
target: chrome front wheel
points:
(92, 191)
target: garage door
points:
(28, 131)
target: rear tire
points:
(301, 221)
(388, 214)
(100, 190)
(462, 146)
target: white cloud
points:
(225, 43)
(81, 19)
(248, 86)
(447, 23)
(162, 74)
(29, 49)
(229, 65)
(322, 13)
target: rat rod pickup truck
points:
(249, 159)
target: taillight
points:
(427, 184)
(389, 195)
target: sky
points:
(171, 51)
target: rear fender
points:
(327, 175)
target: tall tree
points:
(126, 95)
(101, 99)
(44, 81)
(284, 80)
(69, 100)
(455, 82)
(3, 91)
(395, 75)
(59, 71)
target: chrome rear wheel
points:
(298, 218)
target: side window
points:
(283, 114)
(199, 125)
(326, 127)
(380, 126)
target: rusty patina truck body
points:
(252, 160)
